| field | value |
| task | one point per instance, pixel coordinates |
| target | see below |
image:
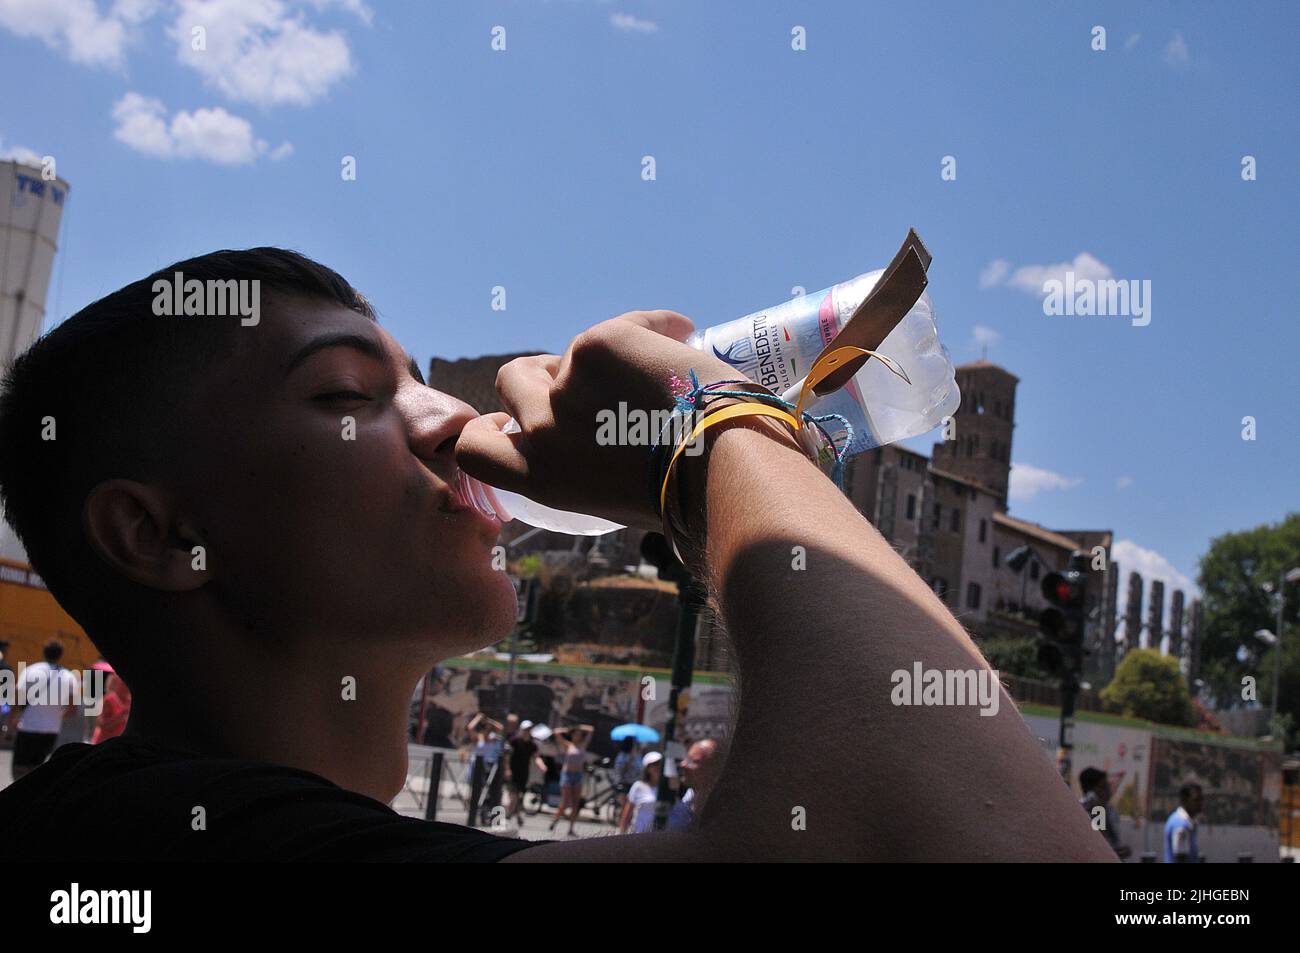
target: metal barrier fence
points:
(431, 780)
(444, 785)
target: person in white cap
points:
(639, 811)
(522, 754)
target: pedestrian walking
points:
(572, 743)
(50, 694)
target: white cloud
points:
(985, 336)
(1176, 52)
(135, 11)
(1132, 41)
(74, 28)
(142, 126)
(20, 154)
(1123, 483)
(1030, 278)
(1028, 481)
(259, 51)
(630, 24)
(1151, 565)
(356, 7)
(282, 151)
(994, 272)
(212, 135)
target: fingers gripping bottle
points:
(516, 506)
(777, 346)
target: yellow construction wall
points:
(29, 617)
(1289, 822)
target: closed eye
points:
(343, 395)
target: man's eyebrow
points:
(366, 345)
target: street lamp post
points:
(1018, 561)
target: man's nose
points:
(435, 420)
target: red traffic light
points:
(1063, 589)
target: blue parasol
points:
(644, 734)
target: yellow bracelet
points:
(746, 409)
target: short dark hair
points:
(112, 380)
(1089, 778)
(52, 650)
(1186, 791)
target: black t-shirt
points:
(522, 749)
(128, 800)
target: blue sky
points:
(774, 168)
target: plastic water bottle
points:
(776, 347)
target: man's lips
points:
(467, 494)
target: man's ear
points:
(133, 526)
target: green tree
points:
(1238, 580)
(528, 567)
(1014, 656)
(1149, 685)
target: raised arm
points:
(822, 764)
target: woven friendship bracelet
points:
(703, 399)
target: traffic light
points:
(1062, 624)
(1061, 651)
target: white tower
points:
(31, 208)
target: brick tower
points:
(981, 450)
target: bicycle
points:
(606, 800)
(543, 793)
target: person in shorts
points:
(50, 694)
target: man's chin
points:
(483, 614)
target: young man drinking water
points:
(261, 529)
